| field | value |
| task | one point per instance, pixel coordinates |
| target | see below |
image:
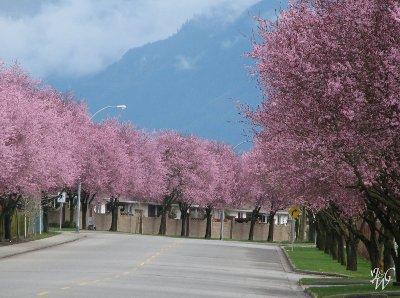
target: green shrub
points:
(68, 224)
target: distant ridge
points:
(188, 82)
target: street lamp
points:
(122, 107)
(222, 214)
(237, 145)
(78, 205)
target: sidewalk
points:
(16, 249)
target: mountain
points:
(188, 82)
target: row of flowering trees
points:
(48, 144)
(330, 127)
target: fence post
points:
(16, 213)
(25, 225)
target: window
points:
(152, 211)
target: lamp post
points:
(237, 145)
(222, 214)
(122, 107)
(78, 203)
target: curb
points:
(293, 267)
(42, 247)
(285, 260)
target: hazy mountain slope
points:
(188, 82)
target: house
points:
(152, 209)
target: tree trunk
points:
(183, 224)
(396, 259)
(114, 205)
(63, 214)
(71, 210)
(183, 208)
(341, 254)
(17, 218)
(7, 225)
(187, 224)
(311, 226)
(251, 232)
(163, 223)
(8, 205)
(374, 255)
(208, 225)
(45, 219)
(321, 236)
(254, 216)
(351, 253)
(166, 206)
(388, 247)
(271, 227)
(334, 245)
(328, 242)
(303, 224)
(2, 236)
(84, 206)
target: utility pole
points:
(78, 208)
(40, 220)
(221, 237)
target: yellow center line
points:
(84, 283)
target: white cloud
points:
(228, 43)
(77, 37)
(186, 62)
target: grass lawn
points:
(44, 235)
(53, 229)
(350, 290)
(312, 259)
(30, 238)
(356, 285)
(324, 281)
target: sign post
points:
(61, 199)
(294, 213)
(221, 231)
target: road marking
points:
(142, 264)
(43, 293)
(84, 283)
(96, 281)
(65, 288)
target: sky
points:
(72, 38)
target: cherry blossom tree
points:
(332, 114)
(224, 180)
(33, 151)
(260, 187)
(185, 163)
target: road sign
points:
(294, 212)
(62, 198)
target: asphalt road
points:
(125, 265)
